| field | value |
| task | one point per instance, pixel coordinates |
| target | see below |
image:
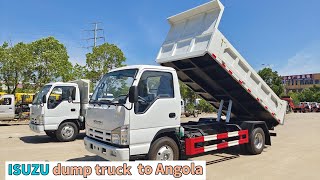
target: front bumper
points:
(36, 128)
(107, 152)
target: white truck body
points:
(57, 103)
(7, 107)
(146, 122)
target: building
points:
(297, 83)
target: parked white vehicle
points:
(7, 107)
(315, 106)
(306, 105)
(59, 108)
(143, 119)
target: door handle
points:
(73, 109)
(10, 108)
(172, 115)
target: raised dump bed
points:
(207, 62)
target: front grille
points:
(99, 134)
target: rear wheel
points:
(67, 131)
(164, 149)
(256, 141)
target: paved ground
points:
(294, 154)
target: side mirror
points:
(133, 94)
(70, 99)
(44, 99)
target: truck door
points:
(158, 108)
(7, 107)
(61, 105)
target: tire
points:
(164, 149)
(256, 141)
(67, 131)
(51, 134)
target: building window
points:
(317, 81)
(301, 82)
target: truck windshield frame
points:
(115, 84)
(43, 91)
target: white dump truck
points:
(59, 109)
(143, 119)
(7, 107)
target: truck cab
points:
(58, 109)
(108, 123)
(7, 107)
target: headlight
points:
(120, 135)
(115, 138)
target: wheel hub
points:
(165, 153)
(67, 131)
(258, 141)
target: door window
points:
(6, 101)
(60, 94)
(153, 85)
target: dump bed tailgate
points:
(207, 63)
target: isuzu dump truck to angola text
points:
(58, 109)
(143, 119)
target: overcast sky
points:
(283, 34)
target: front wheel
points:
(67, 131)
(256, 141)
(164, 149)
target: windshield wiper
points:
(100, 102)
(104, 101)
(93, 101)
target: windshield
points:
(114, 87)
(43, 91)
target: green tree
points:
(78, 72)
(295, 97)
(103, 58)
(204, 106)
(311, 94)
(16, 65)
(273, 80)
(187, 94)
(189, 97)
(50, 62)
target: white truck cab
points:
(58, 109)
(110, 122)
(7, 107)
